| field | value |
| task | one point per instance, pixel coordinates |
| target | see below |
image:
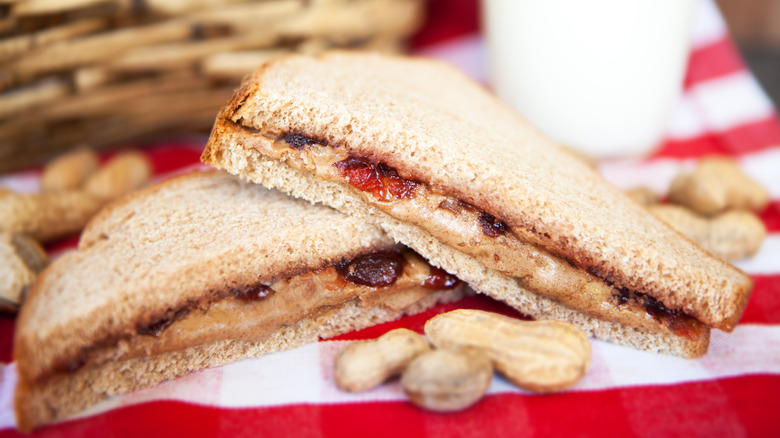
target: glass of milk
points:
(599, 76)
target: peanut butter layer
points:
(281, 303)
(476, 233)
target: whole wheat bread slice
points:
(434, 126)
(502, 287)
(187, 243)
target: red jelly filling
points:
(492, 227)
(297, 141)
(397, 187)
(74, 365)
(360, 174)
(159, 326)
(440, 279)
(253, 293)
(678, 322)
(378, 269)
(380, 180)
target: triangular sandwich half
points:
(445, 168)
(199, 271)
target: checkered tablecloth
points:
(734, 390)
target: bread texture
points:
(272, 173)
(433, 125)
(182, 243)
(150, 253)
(68, 393)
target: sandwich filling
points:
(392, 280)
(476, 233)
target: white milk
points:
(596, 75)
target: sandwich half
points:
(446, 169)
(199, 271)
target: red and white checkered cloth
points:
(734, 390)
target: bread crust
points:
(147, 256)
(460, 226)
(252, 165)
(191, 241)
(64, 394)
(433, 124)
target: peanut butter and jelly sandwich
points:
(199, 271)
(445, 168)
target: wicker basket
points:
(106, 72)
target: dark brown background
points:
(755, 25)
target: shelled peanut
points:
(540, 356)
(69, 171)
(446, 380)
(47, 216)
(714, 206)
(644, 195)
(21, 260)
(730, 236)
(717, 185)
(364, 365)
(73, 189)
(124, 173)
